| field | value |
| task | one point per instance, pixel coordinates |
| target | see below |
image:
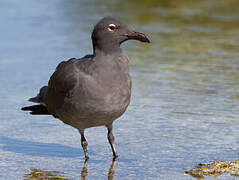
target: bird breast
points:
(103, 95)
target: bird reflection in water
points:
(37, 174)
(111, 171)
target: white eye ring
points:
(112, 27)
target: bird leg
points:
(111, 140)
(84, 144)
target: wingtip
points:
(24, 109)
(34, 99)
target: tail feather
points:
(40, 108)
(34, 99)
(36, 109)
(40, 96)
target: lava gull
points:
(94, 90)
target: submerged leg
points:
(84, 143)
(111, 170)
(111, 140)
(84, 171)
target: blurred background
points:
(185, 99)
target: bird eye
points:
(112, 27)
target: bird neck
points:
(106, 47)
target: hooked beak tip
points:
(138, 36)
(147, 40)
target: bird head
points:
(110, 32)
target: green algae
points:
(215, 169)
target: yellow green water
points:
(184, 108)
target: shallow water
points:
(185, 100)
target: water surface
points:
(185, 99)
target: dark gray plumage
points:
(94, 90)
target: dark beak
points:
(137, 36)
